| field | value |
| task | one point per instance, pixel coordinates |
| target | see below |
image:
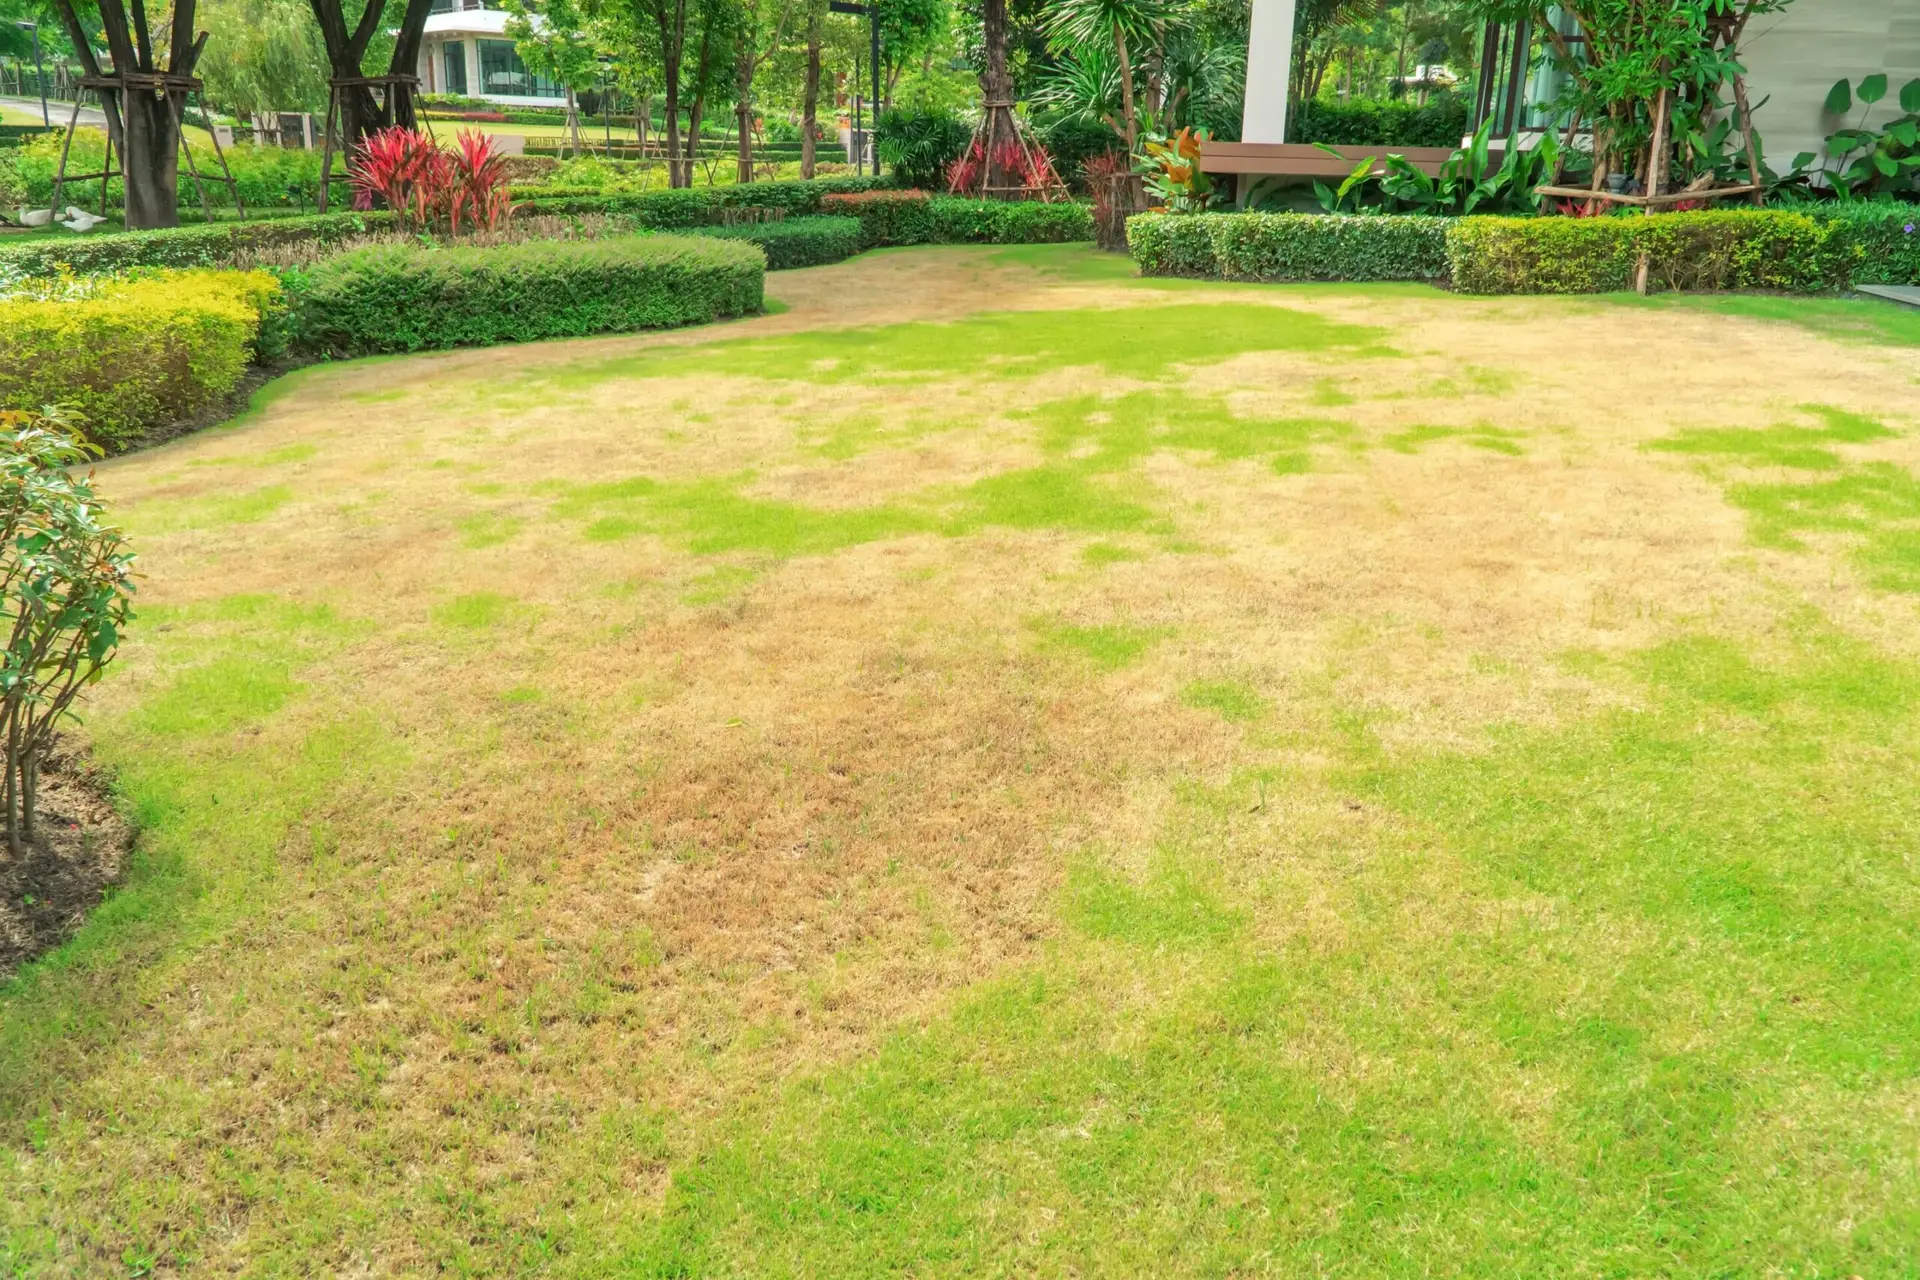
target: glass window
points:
(453, 67)
(502, 72)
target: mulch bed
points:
(80, 852)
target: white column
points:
(1269, 61)
(470, 45)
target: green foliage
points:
(1289, 246)
(411, 297)
(920, 145)
(1467, 181)
(1442, 122)
(796, 242)
(262, 56)
(66, 595)
(136, 355)
(557, 45)
(668, 210)
(267, 177)
(1075, 139)
(205, 245)
(1865, 158)
(885, 217)
(1883, 239)
(958, 221)
(890, 218)
(1691, 252)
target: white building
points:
(466, 51)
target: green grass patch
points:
(1109, 647)
(1783, 444)
(1232, 700)
(172, 516)
(1870, 320)
(1656, 943)
(1874, 505)
(477, 611)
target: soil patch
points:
(80, 850)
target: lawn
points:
(999, 767)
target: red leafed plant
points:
(1026, 165)
(404, 170)
(478, 189)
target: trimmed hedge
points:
(1443, 122)
(1695, 252)
(673, 210)
(958, 221)
(889, 218)
(1289, 246)
(209, 244)
(1883, 239)
(140, 354)
(796, 242)
(410, 297)
(1788, 251)
(885, 217)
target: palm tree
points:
(1080, 23)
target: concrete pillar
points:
(1269, 62)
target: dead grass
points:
(655, 830)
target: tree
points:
(761, 27)
(263, 56)
(690, 43)
(551, 38)
(1080, 23)
(810, 94)
(144, 125)
(361, 113)
(909, 29)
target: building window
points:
(503, 74)
(453, 67)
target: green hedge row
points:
(137, 355)
(411, 297)
(1791, 251)
(1442, 122)
(796, 242)
(1708, 251)
(1884, 239)
(1289, 246)
(890, 218)
(673, 210)
(210, 244)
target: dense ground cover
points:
(1003, 767)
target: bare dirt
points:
(79, 853)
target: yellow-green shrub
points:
(135, 355)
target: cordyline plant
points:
(66, 595)
(1026, 164)
(427, 186)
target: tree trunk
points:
(743, 113)
(997, 86)
(151, 159)
(810, 103)
(1126, 90)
